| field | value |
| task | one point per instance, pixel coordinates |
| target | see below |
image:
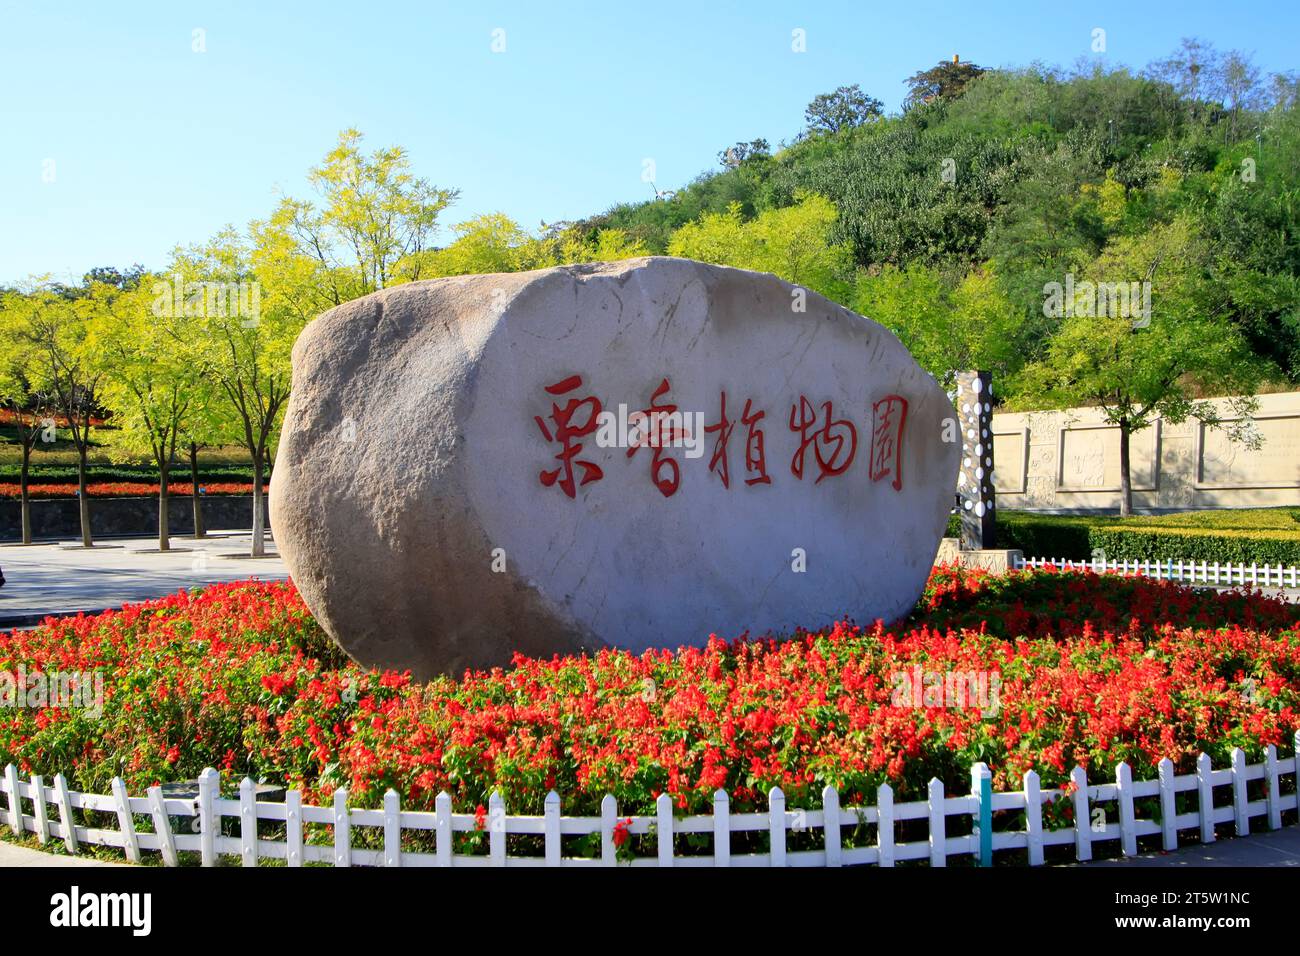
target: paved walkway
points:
(53, 579)
(13, 855)
(1269, 849)
(1266, 848)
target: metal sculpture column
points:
(975, 480)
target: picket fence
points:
(1186, 572)
(1101, 812)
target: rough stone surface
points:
(412, 509)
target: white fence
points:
(1101, 812)
(1186, 572)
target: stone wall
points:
(1069, 461)
(58, 518)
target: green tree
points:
(1137, 367)
(948, 329)
(149, 381)
(842, 109)
(245, 352)
(372, 213)
(733, 156)
(485, 244)
(23, 393)
(54, 326)
(946, 81)
(795, 243)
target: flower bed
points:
(122, 489)
(1091, 670)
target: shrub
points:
(1038, 535)
(1245, 536)
(1121, 543)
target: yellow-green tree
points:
(149, 380)
(24, 392)
(371, 212)
(1137, 364)
(971, 325)
(795, 242)
(244, 349)
(494, 242)
(54, 325)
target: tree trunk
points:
(1125, 482)
(164, 527)
(24, 500)
(83, 499)
(199, 531)
(259, 525)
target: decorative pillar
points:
(975, 480)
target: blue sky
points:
(153, 144)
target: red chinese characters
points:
(834, 444)
(724, 427)
(565, 432)
(833, 441)
(888, 416)
(662, 428)
(755, 458)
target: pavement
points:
(1271, 848)
(13, 855)
(43, 579)
(1264, 848)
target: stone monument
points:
(636, 454)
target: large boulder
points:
(446, 495)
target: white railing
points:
(1101, 812)
(1186, 572)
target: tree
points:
(794, 243)
(23, 394)
(605, 245)
(55, 328)
(734, 156)
(1190, 70)
(373, 213)
(207, 423)
(149, 381)
(845, 108)
(971, 325)
(245, 354)
(946, 81)
(489, 243)
(1239, 87)
(1136, 367)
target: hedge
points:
(1259, 536)
(54, 474)
(1037, 535)
(1120, 543)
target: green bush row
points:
(47, 474)
(1185, 544)
(1262, 536)
(1055, 536)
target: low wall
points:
(1069, 461)
(124, 517)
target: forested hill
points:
(950, 222)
